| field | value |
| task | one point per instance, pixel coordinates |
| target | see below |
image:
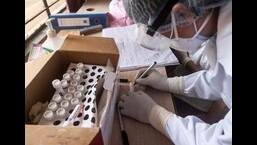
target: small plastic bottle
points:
(58, 86)
(67, 77)
(48, 115)
(60, 112)
(57, 98)
(80, 65)
(78, 94)
(65, 104)
(52, 42)
(68, 96)
(52, 106)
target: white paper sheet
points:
(132, 54)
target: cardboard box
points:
(39, 75)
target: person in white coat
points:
(191, 27)
(211, 84)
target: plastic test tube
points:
(65, 104)
(71, 90)
(77, 94)
(81, 88)
(57, 98)
(71, 72)
(52, 106)
(64, 84)
(68, 96)
(80, 65)
(78, 71)
(73, 115)
(76, 77)
(60, 112)
(48, 115)
(57, 85)
(74, 101)
(74, 83)
(66, 76)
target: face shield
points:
(157, 13)
(185, 14)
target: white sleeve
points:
(198, 85)
(216, 83)
(191, 130)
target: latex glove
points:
(140, 106)
(159, 81)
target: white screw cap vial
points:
(52, 106)
(78, 71)
(66, 76)
(77, 94)
(64, 83)
(68, 96)
(80, 65)
(74, 101)
(80, 88)
(48, 115)
(71, 72)
(57, 98)
(76, 77)
(60, 112)
(74, 83)
(65, 104)
(57, 85)
(71, 90)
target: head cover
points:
(144, 11)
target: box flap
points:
(90, 44)
(33, 67)
(53, 135)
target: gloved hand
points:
(140, 106)
(159, 81)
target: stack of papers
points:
(134, 56)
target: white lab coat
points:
(211, 84)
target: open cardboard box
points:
(39, 75)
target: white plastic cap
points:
(80, 88)
(56, 83)
(71, 72)
(60, 112)
(80, 65)
(50, 32)
(64, 83)
(71, 90)
(78, 71)
(65, 104)
(74, 83)
(52, 106)
(68, 96)
(49, 115)
(78, 94)
(57, 98)
(74, 101)
(66, 76)
(76, 77)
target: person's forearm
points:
(192, 67)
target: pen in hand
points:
(145, 72)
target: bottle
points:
(52, 42)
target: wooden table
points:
(141, 133)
